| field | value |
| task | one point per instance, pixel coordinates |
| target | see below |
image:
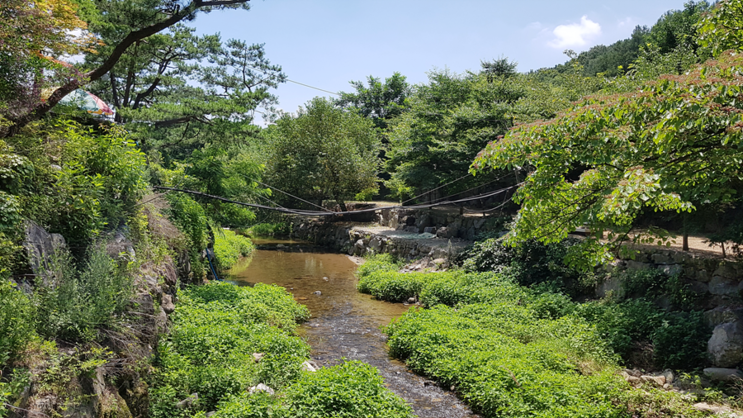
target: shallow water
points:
(344, 323)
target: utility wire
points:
(316, 88)
(301, 84)
(291, 195)
(433, 190)
(469, 190)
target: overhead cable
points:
(318, 213)
(291, 195)
(301, 84)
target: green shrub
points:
(16, 321)
(505, 362)
(680, 342)
(229, 247)
(678, 339)
(651, 283)
(457, 287)
(391, 285)
(349, 390)
(191, 219)
(380, 278)
(73, 303)
(244, 405)
(216, 329)
(531, 263)
(270, 229)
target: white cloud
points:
(575, 34)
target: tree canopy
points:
(322, 153)
(675, 142)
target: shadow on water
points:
(344, 323)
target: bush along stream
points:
(233, 352)
(511, 341)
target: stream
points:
(344, 322)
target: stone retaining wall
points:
(360, 240)
(719, 284)
(441, 223)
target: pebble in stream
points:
(345, 323)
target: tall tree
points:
(379, 101)
(720, 30)
(672, 144)
(323, 153)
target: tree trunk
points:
(685, 245)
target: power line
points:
(301, 84)
(316, 88)
(291, 195)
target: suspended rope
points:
(318, 213)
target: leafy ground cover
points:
(216, 330)
(229, 246)
(514, 351)
(269, 229)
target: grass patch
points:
(229, 247)
(74, 303)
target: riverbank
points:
(511, 350)
(344, 323)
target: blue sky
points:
(327, 43)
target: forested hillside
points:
(106, 305)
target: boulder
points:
(430, 230)
(376, 244)
(720, 285)
(40, 247)
(671, 269)
(358, 247)
(167, 304)
(727, 271)
(654, 380)
(309, 366)
(119, 246)
(721, 314)
(188, 402)
(719, 374)
(261, 388)
(668, 374)
(470, 234)
(611, 285)
(423, 222)
(662, 258)
(445, 232)
(726, 345)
